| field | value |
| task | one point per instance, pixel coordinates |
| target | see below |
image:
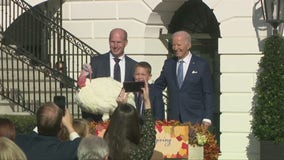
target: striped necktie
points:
(116, 71)
(180, 74)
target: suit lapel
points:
(191, 67)
(174, 68)
(107, 62)
(127, 66)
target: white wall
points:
(239, 52)
(92, 21)
(34, 2)
(239, 56)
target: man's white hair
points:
(92, 148)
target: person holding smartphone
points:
(60, 102)
(142, 72)
(135, 141)
(50, 119)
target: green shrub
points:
(268, 113)
(24, 124)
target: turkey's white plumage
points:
(99, 96)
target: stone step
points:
(40, 96)
(9, 70)
(30, 85)
(19, 83)
(9, 108)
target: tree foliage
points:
(268, 114)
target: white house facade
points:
(239, 48)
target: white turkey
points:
(98, 95)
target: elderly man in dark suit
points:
(45, 144)
(188, 80)
(113, 64)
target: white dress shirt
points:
(186, 61)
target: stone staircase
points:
(9, 108)
(29, 75)
(20, 85)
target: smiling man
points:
(188, 80)
(113, 64)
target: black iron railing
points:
(30, 28)
(28, 85)
(39, 59)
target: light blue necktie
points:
(180, 74)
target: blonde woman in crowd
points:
(10, 151)
(81, 126)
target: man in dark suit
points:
(45, 145)
(188, 80)
(143, 73)
(105, 65)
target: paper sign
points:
(172, 141)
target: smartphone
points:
(133, 86)
(60, 102)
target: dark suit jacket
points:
(194, 100)
(37, 147)
(157, 104)
(101, 68)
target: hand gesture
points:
(67, 121)
(86, 70)
(122, 97)
(146, 97)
